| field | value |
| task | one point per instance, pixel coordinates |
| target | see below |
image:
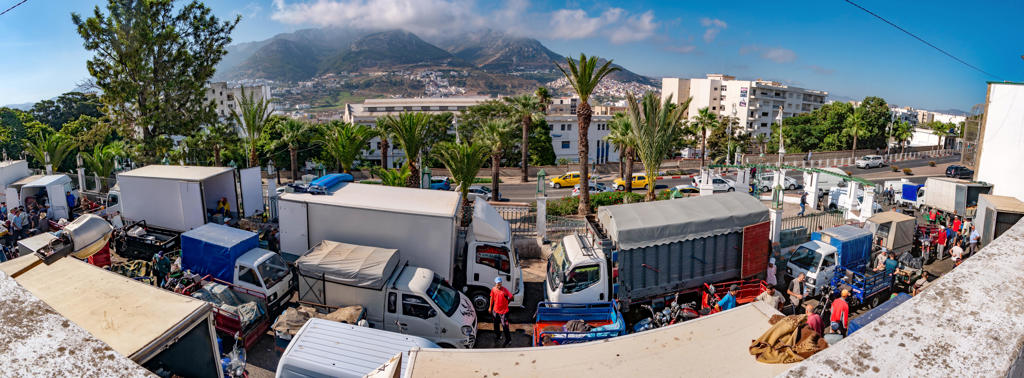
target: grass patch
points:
(568, 205)
(486, 180)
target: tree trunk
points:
(495, 168)
(384, 153)
(853, 154)
(650, 183)
(253, 160)
(622, 163)
(628, 176)
(414, 175)
(216, 156)
(526, 148)
(293, 154)
(583, 115)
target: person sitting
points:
(223, 207)
(833, 335)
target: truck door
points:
(490, 261)
(417, 317)
(58, 201)
(12, 198)
(252, 190)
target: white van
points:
(828, 181)
(816, 260)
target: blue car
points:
(440, 183)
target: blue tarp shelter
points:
(213, 248)
(877, 312)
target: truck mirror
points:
(432, 313)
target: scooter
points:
(234, 362)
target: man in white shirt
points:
(771, 297)
(956, 253)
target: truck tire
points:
(446, 346)
(791, 187)
(731, 189)
(480, 299)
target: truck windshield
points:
(556, 266)
(273, 270)
(444, 296)
(806, 258)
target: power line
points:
(12, 7)
(923, 41)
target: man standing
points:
(814, 320)
(728, 302)
(803, 203)
(956, 228)
(770, 277)
(940, 243)
(772, 298)
(161, 267)
(15, 225)
(500, 296)
(972, 248)
(841, 311)
(956, 253)
(796, 292)
(70, 198)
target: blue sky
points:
(828, 45)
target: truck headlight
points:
(810, 280)
(467, 330)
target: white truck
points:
(34, 188)
(954, 196)
(426, 225)
(396, 296)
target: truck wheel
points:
(791, 187)
(875, 300)
(557, 186)
(731, 189)
(480, 299)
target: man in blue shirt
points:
(729, 300)
(71, 199)
(890, 263)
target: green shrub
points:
(931, 163)
(486, 180)
(563, 206)
(907, 171)
(569, 205)
(371, 182)
(895, 168)
(563, 161)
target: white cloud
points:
(775, 54)
(635, 28)
(614, 23)
(684, 49)
(712, 27)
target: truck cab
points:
(576, 272)
(420, 303)
(491, 254)
(816, 260)
(265, 272)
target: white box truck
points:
(996, 214)
(423, 224)
(397, 296)
(954, 196)
(53, 188)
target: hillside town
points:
(382, 202)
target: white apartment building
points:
(925, 116)
(754, 102)
(227, 98)
(905, 114)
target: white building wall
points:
(565, 138)
(1001, 148)
(923, 138)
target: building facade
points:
(998, 150)
(754, 103)
(228, 98)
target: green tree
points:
(395, 177)
(655, 126)
(497, 135)
(463, 161)
(88, 131)
(940, 129)
(761, 140)
(384, 146)
(544, 97)
(855, 128)
(620, 133)
(706, 120)
(411, 131)
(345, 142)
(217, 138)
(152, 61)
(253, 116)
(101, 161)
(474, 117)
(56, 146)
(584, 75)
(12, 131)
(66, 108)
(541, 150)
(901, 133)
(875, 113)
(292, 133)
(524, 109)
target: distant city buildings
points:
(228, 98)
(755, 103)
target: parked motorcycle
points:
(674, 313)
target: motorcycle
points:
(674, 313)
(234, 362)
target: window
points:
(764, 114)
(392, 302)
(494, 257)
(714, 108)
(764, 124)
(562, 126)
(565, 145)
(828, 261)
(248, 276)
(378, 145)
(718, 181)
(415, 306)
(575, 175)
(568, 127)
(581, 278)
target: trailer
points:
(893, 231)
(140, 241)
(954, 196)
(236, 310)
(996, 214)
(603, 319)
(50, 188)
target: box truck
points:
(996, 214)
(426, 225)
(52, 189)
(635, 253)
(396, 295)
(954, 196)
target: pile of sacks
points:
(789, 340)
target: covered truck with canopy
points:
(42, 189)
(893, 230)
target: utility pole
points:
(888, 136)
(728, 147)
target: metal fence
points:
(558, 227)
(798, 229)
(523, 222)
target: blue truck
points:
(602, 318)
(853, 270)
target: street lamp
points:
(728, 147)
(542, 190)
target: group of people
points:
(954, 234)
(21, 222)
(840, 314)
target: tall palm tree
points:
(524, 108)
(463, 161)
(655, 127)
(101, 161)
(584, 75)
(940, 129)
(761, 139)
(217, 138)
(57, 145)
(544, 97)
(497, 135)
(253, 119)
(382, 133)
(345, 142)
(293, 132)
(901, 133)
(854, 126)
(410, 131)
(706, 120)
(621, 135)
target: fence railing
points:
(798, 229)
(523, 222)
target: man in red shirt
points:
(814, 320)
(841, 311)
(500, 297)
(940, 244)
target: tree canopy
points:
(66, 108)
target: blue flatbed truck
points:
(853, 270)
(551, 318)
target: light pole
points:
(728, 147)
(777, 195)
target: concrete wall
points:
(1002, 138)
(968, 323)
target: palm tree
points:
(584, 75)
(382, 133)
(621, 135)
(761, 140)
(394, 177)
(940, 129)
(854, 126)
(706, 120)
(497, 135)
(544, 97)
(345, 142)
(254, 116)
(293, 132)
(463, 161)
(655, 127)
(524, 108)
(217, 138)
(902, 132)
(56, 146)
(410, 131)
(101, 161)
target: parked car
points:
(870, 161)
(477, 191)
(959, 171)
(683, 190)
(440, 183)
(720, 184)
(640, 181)
(595, 187)
(767, 179)
(566, 180)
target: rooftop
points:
(176, 172)
(386, 198)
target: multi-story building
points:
(995, 149)
(228, 98)
(905, 114)
(565, 134)
(755, 103)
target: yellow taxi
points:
(568, 180)
(639, 182)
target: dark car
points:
(959, 171)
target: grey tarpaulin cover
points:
(644, 224)
(901, 230)
(350, 264)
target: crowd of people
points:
(20, 222)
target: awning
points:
(488, 225)
(349, 264)
(45, 181)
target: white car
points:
(838, 199)
(477, 191)
(595, 187)
(719, 183)
(870, 161)
(767, 180)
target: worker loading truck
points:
(425, 225)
